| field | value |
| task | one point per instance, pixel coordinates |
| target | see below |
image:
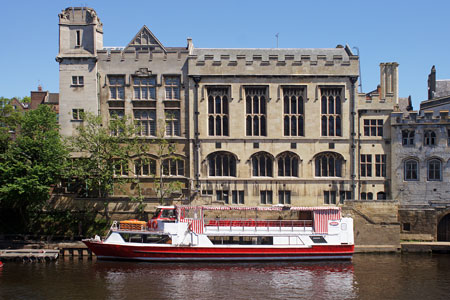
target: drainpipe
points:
(98, 93)
(196, 134)
(353, 80)
(361, 112)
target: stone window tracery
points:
(144, 88)
(407, 137)
(173, 167)
(221, 164)
(172, 85)
(331, 112)
(116, 127)
(293, 108)
(144, 167)
(173, 122)
(328, 164)
(262, 164)
(256, 113)
(120, 168)
(145, 122)
(116, 87)
(288, 164)
(218, 113)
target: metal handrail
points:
(234, 223)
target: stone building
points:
(44, 97)
(285, 126)
(252, 126)
(420, 167)
(144, 80)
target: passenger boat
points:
(196, 233)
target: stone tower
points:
(80, 36)
(389, 82)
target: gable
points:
(145, 40)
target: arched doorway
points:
(443, 231)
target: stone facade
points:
(420, 166)
(252, 126)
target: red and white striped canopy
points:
(321, 215)
(261, 208)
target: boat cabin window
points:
(146, 238)
(318, 239)
(156, 214)
(164, 213)
(168, 213)
(241, 240)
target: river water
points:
(366, 277)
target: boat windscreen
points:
(156, 214)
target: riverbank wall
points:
(376, 225)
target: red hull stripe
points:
(246, 259)
(169, 252)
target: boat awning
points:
(263, 208)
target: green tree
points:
(29, 166)
(103, 151)
(98, 152)
(165, 152)
(9, 121)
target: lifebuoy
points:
(154, 224)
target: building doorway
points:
(443, 230)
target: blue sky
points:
(413, 33)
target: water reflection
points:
(332, 280)
(367, 277)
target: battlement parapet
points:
(79, 16)
(304, 59)
(413, 117)
(130, 54)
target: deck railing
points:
(281, 225)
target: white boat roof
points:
(262, 208)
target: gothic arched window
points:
(256, 111)
(331, 111)
(222, 164)
(218, 111)
(288, 164)
(293, 111)
(262, 164)
(407, 137)
(328, 164)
